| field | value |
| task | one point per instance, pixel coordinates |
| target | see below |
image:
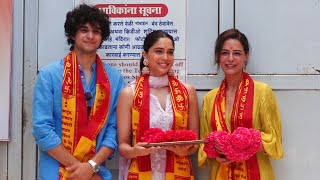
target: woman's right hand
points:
(222, 159)
(140, 150)
(217, 147)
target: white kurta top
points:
(159, 118)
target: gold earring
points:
(145, 69)
(145, 62)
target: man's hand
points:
(96, 177)
(80, 171)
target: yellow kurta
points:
(266, 119)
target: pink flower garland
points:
(156, 135)
(240, 145)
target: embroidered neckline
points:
(158, 82)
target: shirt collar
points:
(94, 66)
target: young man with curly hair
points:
(73, 116)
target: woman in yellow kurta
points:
(240, 102)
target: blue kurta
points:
(46, 115)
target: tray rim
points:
(174, 143)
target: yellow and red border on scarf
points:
(241, 116)
(79, 131)
(176, 167)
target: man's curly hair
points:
(85, 14)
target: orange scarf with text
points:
(176, 167)
(79, 131)
(241, 116)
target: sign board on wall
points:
(131, 22)
(5, 68)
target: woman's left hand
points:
(180, 150)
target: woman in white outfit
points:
(156, 99)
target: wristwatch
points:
(94, 165)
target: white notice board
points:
(131, 21)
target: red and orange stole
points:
(78, 131)
(176, 167)
(241, 116)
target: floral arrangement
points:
(242, 144)
(156, 135)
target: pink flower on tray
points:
(152, 135)
(167, 136)
(184, 135)
(156, 135)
